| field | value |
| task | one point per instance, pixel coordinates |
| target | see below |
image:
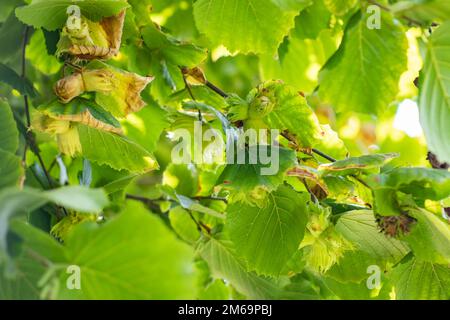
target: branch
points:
(151, 204)
(216, 89)
(323, 155)
(312, 195)
(188, 87)
(27, 111)
(154, 207)
(24, 74)
(212, 198)
(288, 136)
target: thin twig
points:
(52, 165)
(216, 89)
(383, 7)
(199, 227)
(225, 200)
(313, 196)
(40, 259)
(151, 204)
(24, 73)
(323, 155)
(73, 66)
(189, 90)
(290, 138)
(27, 108)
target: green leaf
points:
(9, 135)
(115, 151)
(57, 109)
(133, 256)
(119, 184)
(11, 32)
(312, 21)
(173, 51)
(299, 66)
(355, 165)
(292, 4)
(216, 290)
(224, 264)
(183, 224)
(37, 54)
(246, 177)
(414, 279)
(340, 7)
(39, 241)
(423, 10)
(278, 106)
(434, 96)
(293, 114)
(142, 10)
(6, 7)
(243, 25)
(79, 198)
(422, 183)
(267, 237)
(146, 126)
(189, 204)
(331, 144)
(361, 228)
(429, 238)
(349, 290)
(19, 202)
(24, 285)
(11, 169)
(52, 14)
(11, 78)
(363, 75)
(182, 178)
(352, 267)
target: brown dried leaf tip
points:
(194, 76)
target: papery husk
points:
(44, 123)
(69, 142)
(86, 118)
(76, 84)
(95, 40)
(61, 123)
(66, 133)
(118, 91)
(65, 128)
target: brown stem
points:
(151, 204)
(188, 88)
(216, 89)
(323, 155)
(27, 106)
(383, 7)
(212, 198)
(24, 74)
